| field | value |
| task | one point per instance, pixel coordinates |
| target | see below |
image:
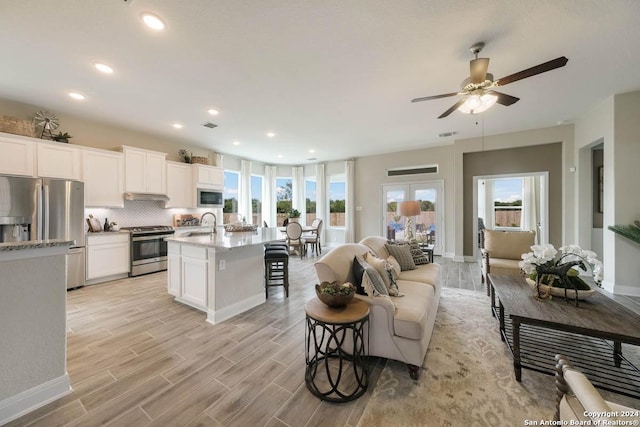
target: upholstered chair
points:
(502, 251)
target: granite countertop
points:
(35, 244)
(226, 240)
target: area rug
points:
(467, 377)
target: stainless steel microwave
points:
(208, 198)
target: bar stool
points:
(276, 269)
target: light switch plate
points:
(222, 264)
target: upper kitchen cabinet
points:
(18, 155)
(179, 186)
(103, 173)
(145, 171)
(208, 176)
(59, 160)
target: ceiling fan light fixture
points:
(475, 103)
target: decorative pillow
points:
(418, 256)
(385, 269)
(372, 282)
(358, 271)
(395, 264)
(402, 254)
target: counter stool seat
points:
(276, 269)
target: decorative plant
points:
(335, 288)
(294, 213)
(543, 259)
(61, 137)
(184, 156)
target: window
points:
(284, 194)
(230, 210)
(256, 199)
(507, 202)
(337, 190)
(310, 199)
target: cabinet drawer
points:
(194, 252)
(107, 238)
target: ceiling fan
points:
(478, 90)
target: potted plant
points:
(294, 215)
(61, 137)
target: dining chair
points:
(294, 238)
(313, 239)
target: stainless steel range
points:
(148, 248)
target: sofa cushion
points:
(386, 271)
(426, 274)
(411, 315)
(506, 267)
(508, 244)
(402, 253)
(372, 281)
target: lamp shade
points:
(409, 208)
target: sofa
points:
(502, 251)
(399, 327)
(579, 403)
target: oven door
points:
(147, 249)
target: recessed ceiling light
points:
(280, 156)
(236, 142)
(103, 68)
(177, 125)
(153, 21)
(76, 96)
(213, 112)
(271, 134)
(312, 151)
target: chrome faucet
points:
(215, 220)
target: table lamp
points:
(409, 209)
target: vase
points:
(339, 300)
(559, 292)
(294, 219)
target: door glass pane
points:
(393, 222)
(507, 202)
(426, 222)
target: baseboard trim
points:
(22, 403)
(448, 255)
(630, 291)
(217, 316)
(458, 258)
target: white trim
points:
(22, 403)
(449, 255)
(631, 291)
(458, 258)
(470, 259)
(217, 316)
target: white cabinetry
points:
(179, 186)
(195, 267)
(174, 270)
(103, 174)
(208, 176)
(107, 255)
(145, 171)
(59, 160)
(17, 156)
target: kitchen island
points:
(221, 273)
(33, 291)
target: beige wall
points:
(91, 133)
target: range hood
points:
(146, 196)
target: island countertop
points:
(230, 240)
(34, 244)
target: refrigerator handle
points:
(46, 212)
(39, 209)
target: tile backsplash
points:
(141, 212)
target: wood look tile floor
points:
(138, 358)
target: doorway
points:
(517, 202)
(428, 226)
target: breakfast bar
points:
(219, 273)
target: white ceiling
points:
(331, 75)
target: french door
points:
(428, 226)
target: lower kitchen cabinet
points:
(107, 256)
(174, 270)
(194, 274)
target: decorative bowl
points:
(559, 292)
(337, 300)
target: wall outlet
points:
(222, 264)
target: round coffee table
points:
(335, 351)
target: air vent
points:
(413, 170)
(312, 159)
(210, 125)
(447, 134)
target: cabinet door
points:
(103, 174)
(179, 186)
(194, 281)
(17, 157)
(209, 175)
(174, 275)
(134, 173)
(59, 161)
(107, 260)
(156, 173)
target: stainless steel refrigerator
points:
(42, 209)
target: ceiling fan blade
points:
(478, 69)
(538, 69)
(427, 98)
(452, 109)
(505, 99)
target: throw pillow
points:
(372, 282)
(385, 269)
(402, 254)
(358, 271)
(418, 256)
(395, 264)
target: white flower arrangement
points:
(545, 255)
